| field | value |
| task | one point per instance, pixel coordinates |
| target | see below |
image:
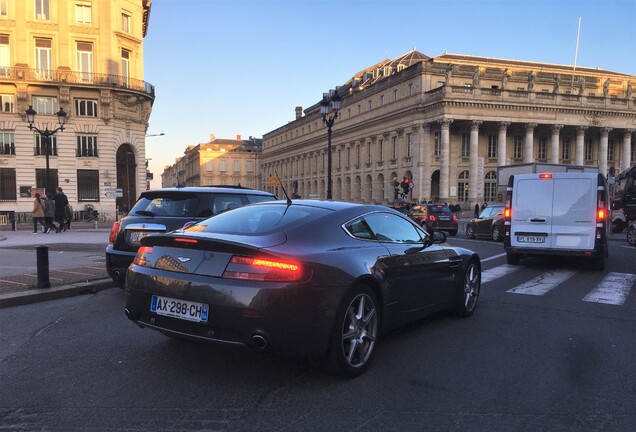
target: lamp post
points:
(329, 99)
(46, 134)
(128, 179)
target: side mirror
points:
(438, 237)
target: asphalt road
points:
(550, 362)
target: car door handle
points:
(537, 220)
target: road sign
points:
(273, 181)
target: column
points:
(528, 148)
(444, 161)
(602, 151)
(554, 145)
(501, 144)
(626, 152)
(473, 178)
(580, 145)
(424, 163)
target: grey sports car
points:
(312, 278)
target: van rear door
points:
(531, 214)
(574, 212)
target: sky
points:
(240, 67)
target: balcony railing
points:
(74, 77)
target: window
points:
(381, 100)
(386, 228)
(85, 108)
(7, 103)
(348, 157)
(125, 22)
(43, 58)
(223, 166)
(518, 147)
(462, 186)
(369, 153)
(543, 148)
(610, 150)
(87, 146)
(83, 13)
(411, 89)
(208, 166)
(394, 148)
(7, 143)
(437, 145)
(42, 10)
(589, 149)
(8, 189)
(492, 146)
(381, 150)
(249, 166)
(5, 55)
(490, 186)
(565, 149)
(40, 146)
(396, 95)
(465, 145)
(88, 185)
(125, 66)
(45, 105)
(4, 9)
(85, 61)
(409, 144)
(40, 178)
(358, 155)
(237, 166)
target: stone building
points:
(85, 57)
(447, 122)
(218, 162)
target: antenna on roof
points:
(576, 51)
(289, 201)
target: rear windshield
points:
(440, 210)
(261, 219)
(194, 205)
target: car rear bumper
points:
(117, 262)
(597, 252)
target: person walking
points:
(49, 213)
(68, 216)
(61, 201)
(38, 214)
(476, 214)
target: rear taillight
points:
(455, 218)
(186, 240)
(507, 213)
(114, 230)
(601, 213)
(143, 256)
(431, 218)
(264, 269)
(545, 176)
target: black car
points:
(311, 278)
(489, 224)
(164, 210)
(435, 217)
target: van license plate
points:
(531, 239)
(182, 309)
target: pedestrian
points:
(61, 201)
(49, 213)
(68, 216)
(38, 214)
(484, 205)
(476, 214)
(458, 209)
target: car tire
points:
(618, 226)
(631, 235)
(469, 290)
(512, 259)
(497, 234)
(355, 333)
(470, 232)
(452, 233)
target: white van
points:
(561, 213)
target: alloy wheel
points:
(496, 233)
(472, 283)
(359, 330)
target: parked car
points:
(631, 233)
(163, 210)
(311, 278)
(490, 224)
(435, 217)
(401, 208)
(619, 221)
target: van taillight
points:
(545, 176)
(114, 230)
(601, 214)
(507, 213)
(143, 256)
(264, 269)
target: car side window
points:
(388, 227)
(360, 229)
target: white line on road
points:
(542, 283)
(493, 257)
(13, 282)
(497, 272)
(77, 273)
(613, 289)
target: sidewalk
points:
(76, 263)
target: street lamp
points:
(46, 134)
(332, 98)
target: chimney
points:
(299, 112)
(212, 137)
(238, 137)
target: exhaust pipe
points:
(259, 342)
(117, 274)
(133, 316)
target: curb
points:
(54, 293)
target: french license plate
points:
(531, 239)
(182, 309)
(136, 236)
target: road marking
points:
(77, 273)
(542, 284)
(497, 272)
(493, 257)
(13, 282)
(613, 289)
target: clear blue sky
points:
(240, 67)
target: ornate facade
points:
(448, 122)
(85, 57)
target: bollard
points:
(42, 252)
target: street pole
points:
(329, 99)
(47, 149)
(46, 135)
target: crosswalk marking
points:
(542, 283)
(613, 289)
(497, 272)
